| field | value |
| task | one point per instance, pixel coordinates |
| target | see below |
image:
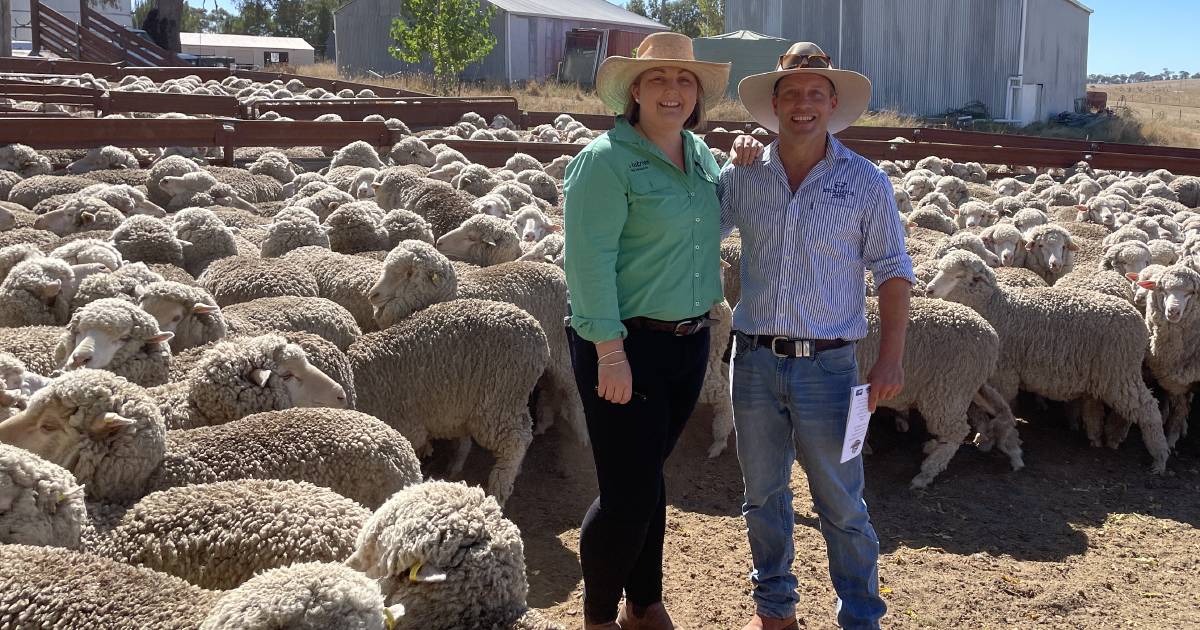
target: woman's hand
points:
(615, 380)
(746, 149)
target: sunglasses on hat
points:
(790, 61)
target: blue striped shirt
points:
(803, 254)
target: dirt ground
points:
(1081, 538)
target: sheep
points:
(518, 194)
(402, 225)
(291, 313)
(932, 219)
(1049, 252)
(393, 187)
(17, 384)
(415, 276)
(1029, 218)
(103, 158)
(1006, 241)
(950, 354)
(89, 250)
(125, 283)
(323, 200)
(967, 241)
(115, 335)
(541, 184)
(411, 150)
(1187, 190)
(80, 214)
(475, 179)
(481, 240)
(532, 225)
(1126, 233)
(445, 208)
(494, 205)
(462, 393)
(352, 453)
(557, 168)
(24, 160)
(1047, 343)
(1163, 252)
(275, 165)
(36, 292)
(974, 214)
(342, 278)
(241, 279)
(32, 346)
(292, 228)
(31, 191)
(125, 198)
(954, 189)
(203, 238)
(1127, 257)
(251, 525)
(13, 254)
(522, 162)
(357, 153)
(189, 312)
(436, 548)
(1171, 317)
(361, 187)
(356, 227)
(551, 249)
(146, 239)
(40, 502)
(232, 381)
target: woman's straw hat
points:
(616, 74)
(853, 89)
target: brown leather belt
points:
(680, 328)
(787, 347)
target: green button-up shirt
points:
(642, 237)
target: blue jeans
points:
(789, 407)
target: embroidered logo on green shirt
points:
(638, 166)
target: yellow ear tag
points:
(412, 573)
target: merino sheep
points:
(291, 313)
(251, 525)
(241, 279)
(402, 225)
(37, 292)
(931, 218)
(103, 158)
(275, 165)
(1127, 257)
(356, 227)
(203, 237)
(40, 502)
(357, 153)
(342, 278)
(1047, 343)
(234, 380)
(189, 312)
(481, 240)
(80, 214)
(412, 150)
(459, 547)
(293, 228)
(1172, 316)
(115, 335)
(462, 394)
(415, 276)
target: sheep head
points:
(414, 276)
(105, 330)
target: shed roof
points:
(1081, 5)
(745, 36)
(243, 41)
(589, 10)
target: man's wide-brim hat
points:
(853, 89)
(658, 50)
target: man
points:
(813, 216)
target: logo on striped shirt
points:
(840, 190)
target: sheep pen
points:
(1082, 536)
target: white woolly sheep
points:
(412, 150)
(115, 335)
(1172, 317)
(402, 225)
(540, 184)
(342, 278)
(475, 179)
(357, 153)
(103, 158)
(436, 548)
(40, 502)
(494, 205)
(1049, 252)
(295, 314)
(357, 227)
(463, 394)
(532, 225)
(1047, 343)
(241, 279)
(189, 312)
(1127, 257)
(481, 240)
(204, 238)
(276, 165)
(129, 200)
(36, 292)
(24, 160)
(80, 214)
(974, 214)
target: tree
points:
(164, 22)
(452, 33)
(638, 7)
(712, 17)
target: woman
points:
(643, 268)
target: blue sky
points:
(1125, 36)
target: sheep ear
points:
(435, 278)
(374, 185)
(421, 572)
(1132, 277)
(1029, 246)
(161, 337)
(52, 288)
(1149, 285)
(200, 308)
(333, 205)
(86, 217)
(1072, 247)
(554, 227)
(1081, 208)
(108, 424)
(725, 265)
(260, 377)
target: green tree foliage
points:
(694, 18)
(638, 7)
(712, 17)
(452, 33)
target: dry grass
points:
(1137, 123)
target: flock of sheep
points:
(214, 374)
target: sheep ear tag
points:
(421, 572)
(260, 376)
(1149, 285)
(108, 424)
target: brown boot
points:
(759, 622)
(652, 617)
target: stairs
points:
(95, 38)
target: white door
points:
(1030, 104)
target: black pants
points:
(621, 541)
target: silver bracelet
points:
(613, 363)
(603, 357)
